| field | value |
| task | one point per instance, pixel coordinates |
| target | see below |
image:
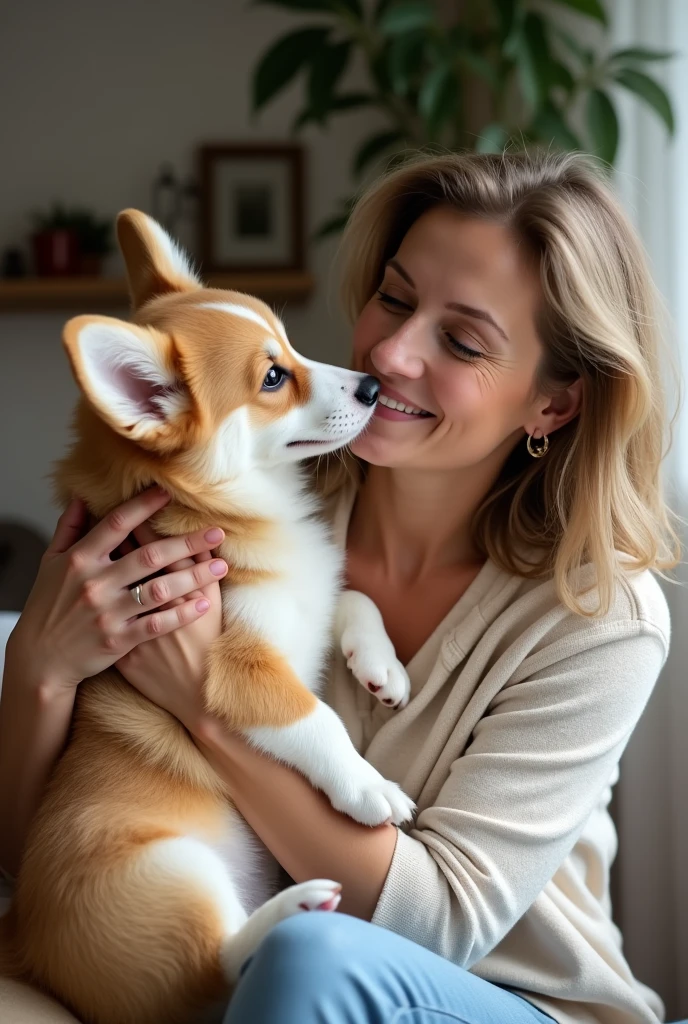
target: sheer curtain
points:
(652, 797)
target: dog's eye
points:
(274, 378)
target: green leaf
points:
(603, 125)
(321, 6)
(574, 46)
(437, 97)
(639, 55)
(404, 58)
(593, 8)
(492, 139)
(506, 12)
(350, 101)
(648, 90)
(284, 60)
(381, 7)
(550, 127)
(373, 147)
(481, 66)
(327, 67)
(560, 75)
(405, 17)
(534, 60)
(338, 105)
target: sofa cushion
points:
(21, 1004)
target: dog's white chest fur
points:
(295, 609)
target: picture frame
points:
(251, 208)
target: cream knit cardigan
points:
(520, 711)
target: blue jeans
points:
(322, 968)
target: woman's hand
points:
(81, 616)
(170, 669)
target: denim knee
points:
(309, 945)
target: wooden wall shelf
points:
(92, 294)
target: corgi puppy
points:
(132, 904)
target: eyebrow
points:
(458, 307)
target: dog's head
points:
(208, 376)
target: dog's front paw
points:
(376, 801)
(316, 894)
(372, 661)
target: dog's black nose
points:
(368, 390)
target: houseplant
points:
(493, 74)
(68, 242)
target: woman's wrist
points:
(216, 741)
(25, 669)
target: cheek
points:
(367, 333)
(476, 396)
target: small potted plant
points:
(70, 242)
(55, 242)
(95, 240)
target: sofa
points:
(21, 1004)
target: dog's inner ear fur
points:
(154, 262)
(128, 374)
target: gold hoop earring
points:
(537, 453)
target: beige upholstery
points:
(20, 1004)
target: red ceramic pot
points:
(56, 253)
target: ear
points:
(128, 375)
(155, 264)
(558, 410)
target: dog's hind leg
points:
(138, 941)
(316, 894)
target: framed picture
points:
(251, 208)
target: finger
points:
(69, 527)
(123, 520)
(148, 627)
(151, 558)
(163, 589)
(145, 534)
(124, 549)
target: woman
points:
(504, 515)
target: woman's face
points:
(451, 332)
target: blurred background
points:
(247, 129)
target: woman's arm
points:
(34, 720)
(79, 619)
(299, 825)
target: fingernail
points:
(214, 536)
(202, 605)
(218, 567)
(161, 492)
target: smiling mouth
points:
(409, 410)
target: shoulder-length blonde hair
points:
(598, 490)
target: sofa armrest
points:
(21, 1004)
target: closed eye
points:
(389, 300)
(459, 349)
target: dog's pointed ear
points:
(154, 262)
(129, 374)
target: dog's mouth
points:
(297, 444)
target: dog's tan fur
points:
(131, 775)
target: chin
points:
(378, 451)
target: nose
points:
(368, 390)
(401, 354)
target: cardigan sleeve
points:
(514, 804)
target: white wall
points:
(94, 96)
(653, 809)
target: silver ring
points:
(136, 591)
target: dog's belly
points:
(254, 871)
